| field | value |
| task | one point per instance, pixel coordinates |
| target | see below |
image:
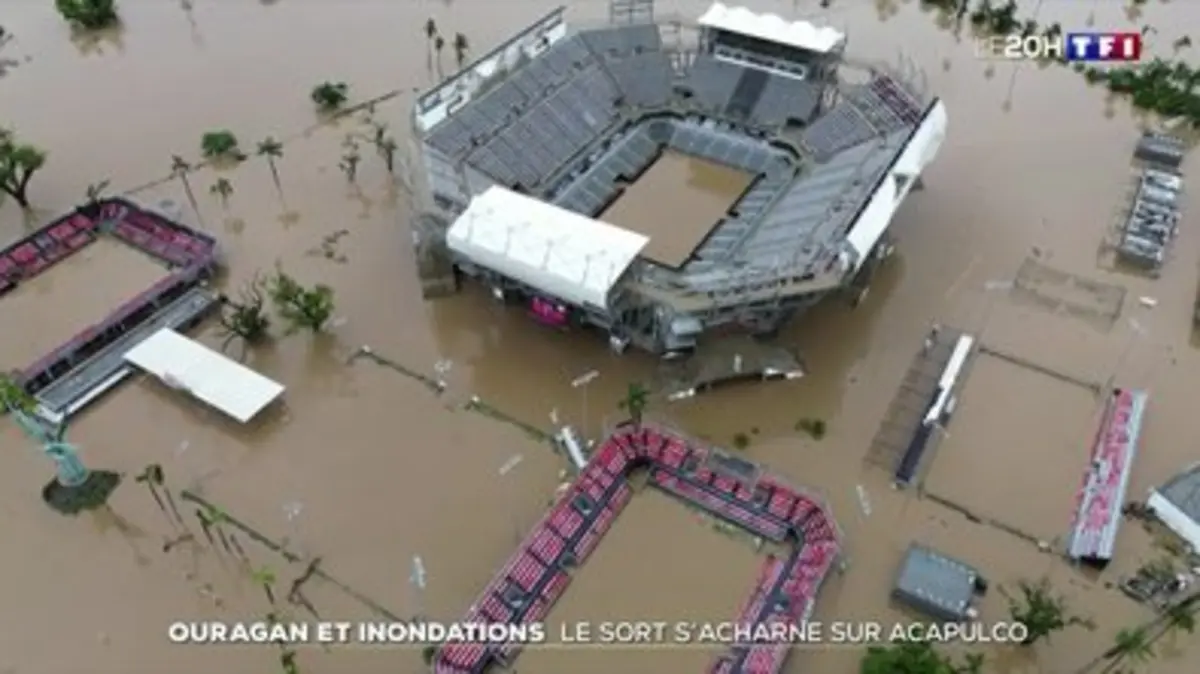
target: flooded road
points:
(704, 192)
(367, 469)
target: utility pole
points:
(581, 382)
(508, 467)
(416, 580)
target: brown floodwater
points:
(690, 576)
(365, 468)
(702, 192)
(66, 298)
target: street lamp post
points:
(1136, 330)
(416, 580)
(504, 471)
(581, 382)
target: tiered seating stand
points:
(525, 589)
(190, 255)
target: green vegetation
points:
(14, 396)
(272, 150)
(302, 307)
(220, 145)
(1158, 86)
(461, 48)
(1041, 611)
(155, 480)
(915, 657)
(93, 195)
(222, 189)
(18, 162)
(349, 163)
(88, 14)
(1166, 87)
(814, 427)
(265, 577)
(180, 169)
(636, 398)
(330, 96)
(246, 319)
(287, 662)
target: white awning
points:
(189, 366)
(772, 28)
(566, 255)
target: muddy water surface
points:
(703, 190)
(67, 298)
(365, 468)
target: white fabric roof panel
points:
(210, 377)
(564, 254)
(772, 28)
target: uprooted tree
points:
(18, 162)
(246, 318)
(302, 307)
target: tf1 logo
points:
(1070, 47)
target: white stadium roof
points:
(567, 255)
(772, 28)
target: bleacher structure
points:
(526, 588)
(77, 372)
(573, 118)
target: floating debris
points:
(864, 502)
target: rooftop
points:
(772, 28)
(577, 259)
(935, 584)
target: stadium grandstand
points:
(546, 165)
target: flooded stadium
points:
(366, 467)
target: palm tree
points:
(1041, 611)
(223, 189)
(152, 486)
(431, 32)
(287, 662)
(91, 205)
(179, 169)
(265, 576)
(386, 147)
(1129, 645)
(154, 478)
(634, 402)
(461, 47)
(272, 150)
(439, 43)
(349, 163)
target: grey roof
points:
(1183, 491)
(935, 584)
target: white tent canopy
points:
(566, 255)
(772, 28)
(189, 366)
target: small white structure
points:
(771, 28)
(566, 255)
(187, 365)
